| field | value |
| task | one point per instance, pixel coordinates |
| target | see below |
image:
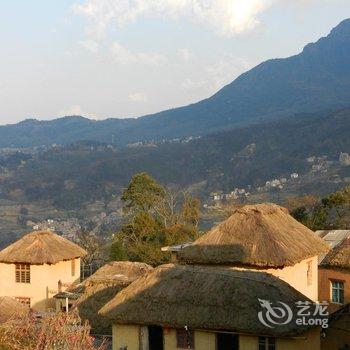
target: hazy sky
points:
(119, 58)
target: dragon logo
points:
(272, 316)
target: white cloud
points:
(184, 54)
(89, 45)
(215, 75)
(75, 110)
(191, 84)
(123, 55)
(138, 97)
(225, 17)
(225, 70)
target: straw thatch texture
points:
(211, 298)
(11, 308)
(41, 247)
(262, 235)
(102, 286)
(339, 256)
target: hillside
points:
(315, 80)
(248, 156)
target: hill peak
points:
(343, 28)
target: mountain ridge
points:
(315, 80)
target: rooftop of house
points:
(102, 286)
(333, 237)
(339, 255)
(262, 235)
(204, 297)
(41, 247)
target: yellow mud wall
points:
(309, 341)
(296, 276)
(125, 335)
(202, 340)
(43, 282)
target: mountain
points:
(245, 156)
(317, 79)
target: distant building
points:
(344, 159)
(294, 175)
(275, 183)
(311, 159)
(37, 266)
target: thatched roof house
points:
(262, 235)
(334, 268)
(202, 297)
(11, 308)
(102, 286)
(41, 247)
(339, 242)
(339, 256)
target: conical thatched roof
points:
(11, 308)
(262, 235)
(339, 256)
(102, 286)
(41, 247)
(202, 297)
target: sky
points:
(127, 58)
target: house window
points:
(309, 273)
(185, 339)
(337, 292)
(73, 267)
(24, 301)
(22, 273)
(267, 343)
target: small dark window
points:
(267, 343)
(22, 273)
(185, 339)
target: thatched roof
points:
(339, 256)
(41, 247)
(202, 297)
(102, 287)
(262, 235)
(11, 308)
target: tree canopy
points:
(155, 217)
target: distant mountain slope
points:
(317, 79)
(240, 157)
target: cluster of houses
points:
(258, 281)
(242, 193)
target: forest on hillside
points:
(85, 172)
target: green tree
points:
(190, 210)
(332, 212)
(155, 219)
(142, 193)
